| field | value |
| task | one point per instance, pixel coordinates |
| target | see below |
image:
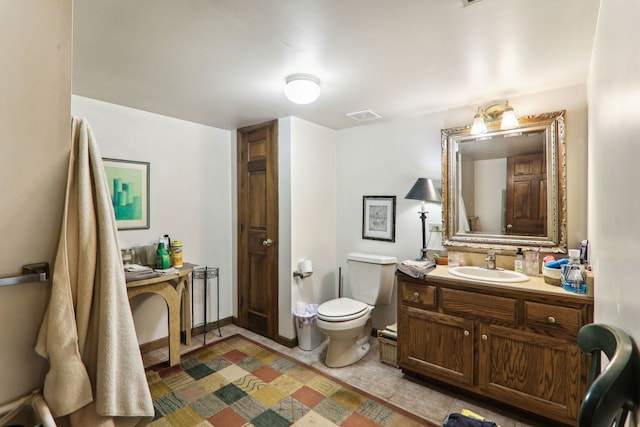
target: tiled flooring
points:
(370, 375)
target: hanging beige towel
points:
(96, 375)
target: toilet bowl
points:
(347, 321)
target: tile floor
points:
(369, 374)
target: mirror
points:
(506, 188)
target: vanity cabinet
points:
(512, 345)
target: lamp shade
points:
(478, 123)
(509, 118)
(425, 190)
(302, 88)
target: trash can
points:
(309, 336)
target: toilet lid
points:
(342, 309)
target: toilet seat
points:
(342, 310)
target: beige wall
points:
(35, 50)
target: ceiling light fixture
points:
(503, 112)
(302, 88)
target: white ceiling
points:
(223, 62)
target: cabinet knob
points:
(466, 333)
(551, 319)
(484, 337)
(416, 295)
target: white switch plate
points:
(435, 226)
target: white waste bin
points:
(309, 336)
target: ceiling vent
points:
(466, 3)
(364, 115)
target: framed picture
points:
(129, 188)
(379, 218)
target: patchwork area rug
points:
(237, 382)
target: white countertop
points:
(536, 283)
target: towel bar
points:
(30, 273)
(39, 406)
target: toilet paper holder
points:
(305, 269)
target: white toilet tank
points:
(371, 277)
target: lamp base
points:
(423, 252)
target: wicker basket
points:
(388, 350)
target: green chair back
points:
(612, 393)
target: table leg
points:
(172, 298)
(186, 310)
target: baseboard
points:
(164, 342)
(287, 342)
(210, 327)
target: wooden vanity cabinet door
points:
(437, 345)
(534, 372)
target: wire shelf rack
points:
(206, 274)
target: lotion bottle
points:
(519, 262)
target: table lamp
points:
(424, 190)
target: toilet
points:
(347, 321)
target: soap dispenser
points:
(519, 262)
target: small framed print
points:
(129, 188)
(379, 218)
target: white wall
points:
(307, 185)
(190, 188)
(614, 151)
(386, 158)
(35, 140)
(488, 208)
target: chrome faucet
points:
(491, 260)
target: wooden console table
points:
(174, 288)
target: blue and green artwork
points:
(126, 192)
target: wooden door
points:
(527, 195)
(542, 374)
(258, 229)
(436, 345)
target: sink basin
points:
(487, 275)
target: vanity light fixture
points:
(302, 88)
(503, 112)
(509, 118)
(424, 190)
(478, 123)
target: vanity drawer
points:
(477, 305)
(420, 295)
(553, 317)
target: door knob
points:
(509, 226)
(267, 242)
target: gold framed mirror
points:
(505, 189)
